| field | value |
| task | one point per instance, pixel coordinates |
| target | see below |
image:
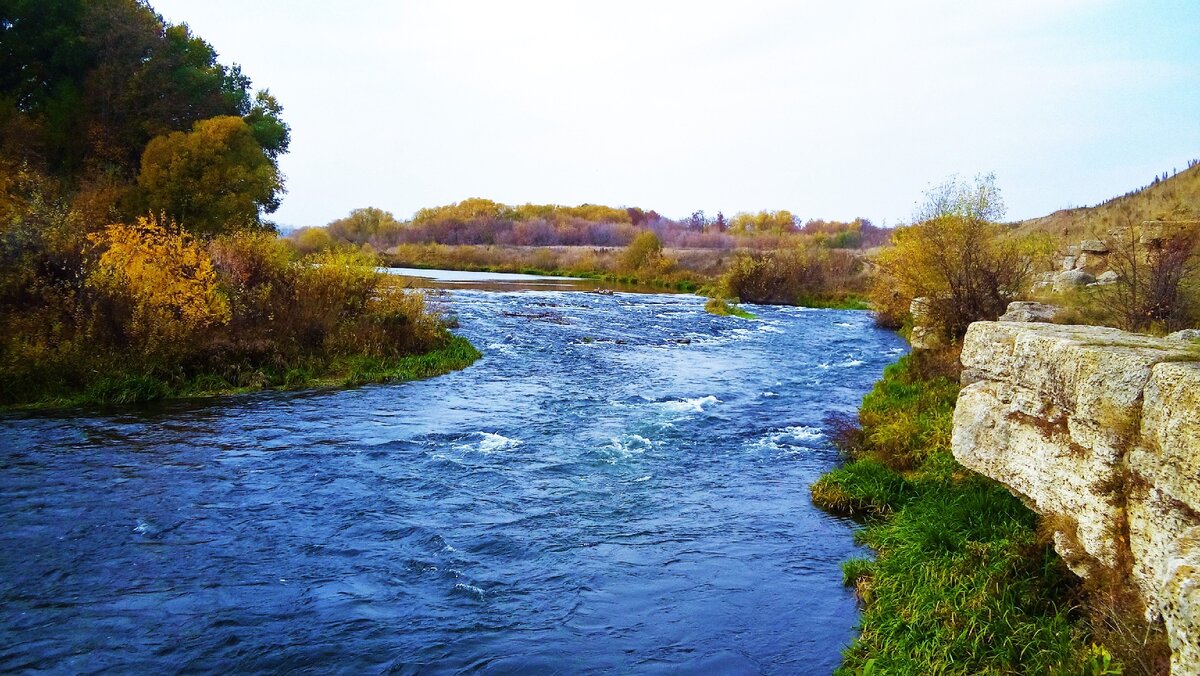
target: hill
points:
(1174, 198)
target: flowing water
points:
(619, 484)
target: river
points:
(619, 484)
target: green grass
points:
(962, 582)
(121, 388)
(834, 302)
(723, 308)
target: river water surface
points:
(619, 484)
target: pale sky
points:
(827, 109)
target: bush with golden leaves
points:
(162, 280)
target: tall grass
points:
(962, 582)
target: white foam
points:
(488, 442)
(690, 405)
(769, 394)
(625, 446)
(469, 589)
(790, 438)
(851, 363)
(847, 325)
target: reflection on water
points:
(620, 483)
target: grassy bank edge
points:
(963, 581)
(134, 387)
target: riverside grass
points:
(962, 583)
(133, 386)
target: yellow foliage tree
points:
(644, 256)
(956, 256)
(213, 179)
(166, 279)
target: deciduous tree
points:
(213, 179)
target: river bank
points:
(963, 579)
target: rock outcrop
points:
(1027, 311)
(1099, 431)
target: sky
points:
(827, 109)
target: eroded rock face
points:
(1099, 431)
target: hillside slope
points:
(1175, 198)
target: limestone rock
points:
(1093, 246)
(1099, 431)
(1025, 311)
(1181, 608)
(922, 336)
(1185, 335)
(1073, 250)
(1108, 277)
(1068, 263)
(1065, 281)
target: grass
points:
(723, 308)
(962, 582)
(122, 388)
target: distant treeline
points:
(484, 222)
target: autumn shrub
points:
(394, 322)
(798, 275)
(1157, 288)
(256, 271)
(328, 287)
(160, 283)
(955, 255)
(644, 256)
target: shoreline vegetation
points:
(127, 388)
(137, 263)
(965, 578)
(963, 581)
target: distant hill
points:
(1173, 198)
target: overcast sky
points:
(827, 109)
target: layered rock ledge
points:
(1098, 430)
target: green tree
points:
(213, 179)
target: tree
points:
(1157, 266)
(363, 225)
(213, 179)
(645, 255)
(956, 255)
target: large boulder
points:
(1071, 279)
(1093, 246)
(1099, 431)
(1027, 311)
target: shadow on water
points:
(620, 483)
